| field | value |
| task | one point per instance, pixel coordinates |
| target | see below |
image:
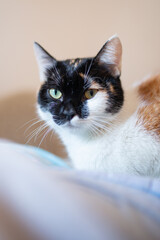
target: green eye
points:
(90, 93)
(56, 94)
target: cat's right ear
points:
(110, 56)
(44, 59)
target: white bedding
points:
(42, 198)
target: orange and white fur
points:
(132, 145)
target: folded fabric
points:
(41, 197)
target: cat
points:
(83, 101)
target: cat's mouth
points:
(73, 123)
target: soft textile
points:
(41, 197)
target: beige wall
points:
(69, 29)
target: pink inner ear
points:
(111, 55)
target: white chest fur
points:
(128, 149)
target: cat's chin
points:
(69, 125)
(75, 126)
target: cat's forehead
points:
(72, 74)
(75, 65)
(73, 70)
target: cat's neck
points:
(130, 106)
(85, 151)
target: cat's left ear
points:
(44, 59)
(110, 56)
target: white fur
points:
(125, 148)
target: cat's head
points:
(83, 94)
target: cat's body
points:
(108, 133)
(127, 148)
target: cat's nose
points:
(69, 112)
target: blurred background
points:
(67, 29)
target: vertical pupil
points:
(55, 92)
(91, 93)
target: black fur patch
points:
(66, 76)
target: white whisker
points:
(46, 133)
(27, 123)
(103, 128)
(39, 121)
(35, 132)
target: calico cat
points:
(83, 101)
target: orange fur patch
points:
(74, 62)
(150, 90)
(111, 88)
(149, 113)
(82, 75)
(95, 85)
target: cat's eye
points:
(90, 93)
(56, 94)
